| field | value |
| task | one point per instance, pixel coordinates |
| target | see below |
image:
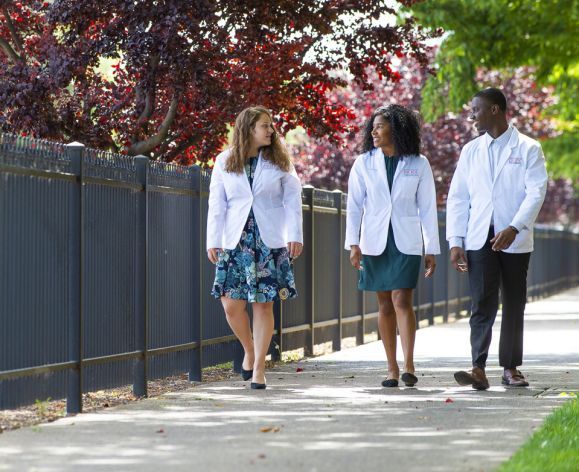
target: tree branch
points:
(182, 147)
(150, 98)
(13, 32)
(9, 51)
(151, 143)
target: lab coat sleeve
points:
(535, 189)
(217, 208)
(292, 200)
(426, 200)
(458, 203)
(355, 205)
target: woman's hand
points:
(294, 249)
(213, 254)
(356, 256)
(429, 265)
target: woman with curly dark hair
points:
(391, 220)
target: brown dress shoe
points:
(514, 378)
(476, 378)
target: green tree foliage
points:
(497, 35)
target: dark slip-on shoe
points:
(409, 379)
(390, 383)
(246, 374)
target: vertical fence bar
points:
(432, 292)
(309, 193)
(141, 304)
(196, 370)
(238, 355)
(75, 283)
(278, 324)
(417, 294)
(337, 344)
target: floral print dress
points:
(252, 271)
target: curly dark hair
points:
(405, 128)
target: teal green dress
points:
(391, 270)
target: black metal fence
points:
(104, 279)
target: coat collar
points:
(506, 152)
(379, 161)
(243, 175)
(503, 158)
(258, 168)
(403, 162)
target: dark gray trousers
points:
(488, 271)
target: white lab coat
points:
(514, 197)
(275, 198)
(411, 207)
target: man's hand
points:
(458, 259)
(429, 265)
(356, 256)
(503, 239)
(213, 254)
(294, 249)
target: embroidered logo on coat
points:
(515, 160)
(269, 166)
(411, 172)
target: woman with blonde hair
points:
(254, 230)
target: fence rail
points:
(104, 279)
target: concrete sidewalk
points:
(332, 416)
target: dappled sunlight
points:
(318, 413)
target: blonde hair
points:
(276, 152)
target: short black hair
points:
(405, 128)
(494, 96)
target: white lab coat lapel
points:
(506, 152)
(258, 169)
(241, 180)
(485, 163)
(399, 168)
(378, 163)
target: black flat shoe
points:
(257, 386)
(390, 383)
(246, 374)
(409, 379)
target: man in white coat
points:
(495, 196)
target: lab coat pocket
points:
(409, 235)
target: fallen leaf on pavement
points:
(269, 429)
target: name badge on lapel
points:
(515, 160)
(410, 172)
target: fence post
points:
(196, 370)
(141, 302)
(75, 152)
(277, 348)
(309, 192)
(337, 344)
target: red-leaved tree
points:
(184, 69)
(325, 165)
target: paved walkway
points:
(332, 416)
